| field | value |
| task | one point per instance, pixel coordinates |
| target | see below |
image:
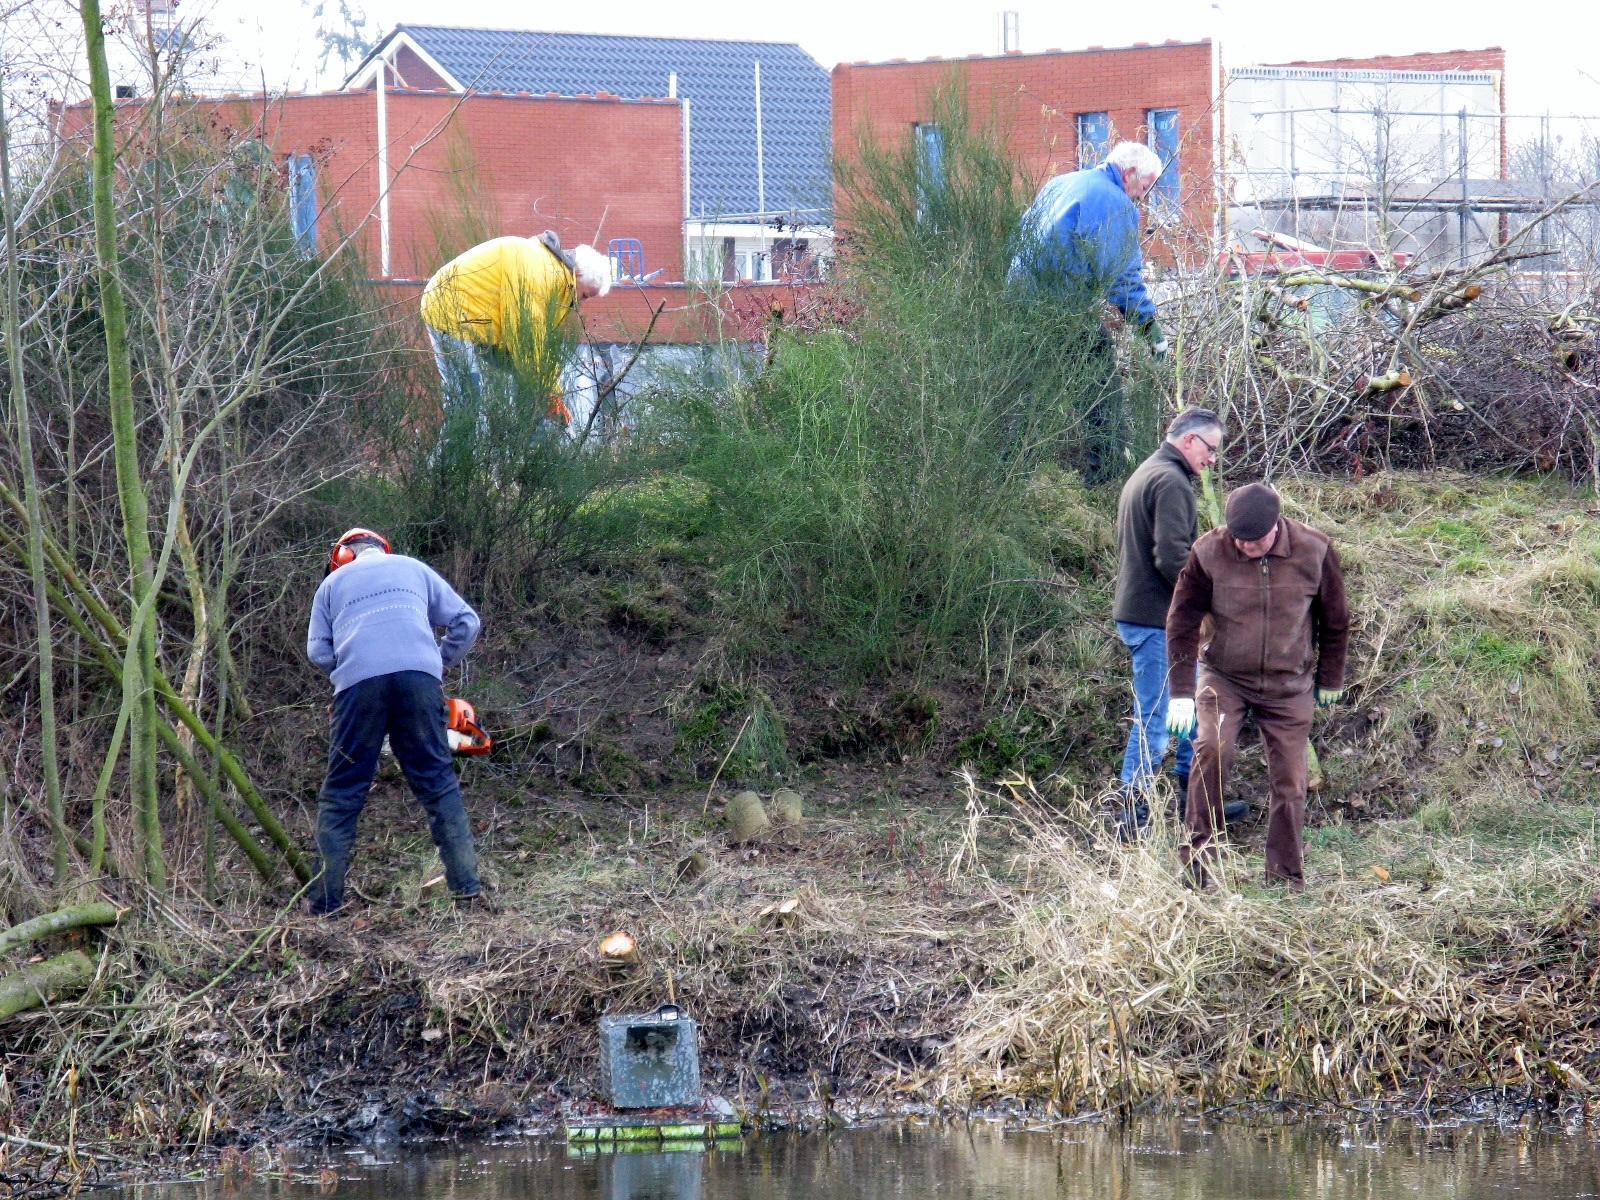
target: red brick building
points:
(592, 168)
(1037, 99)
(1062, 109)
(1058, 109)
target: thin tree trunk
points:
(37, 984)
(95, 851)
(118, 641)
(124, 432)
(45, 639)
(93, 912)
(194, 672)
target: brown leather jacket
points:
(1273, 619)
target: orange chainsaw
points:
(463, 732)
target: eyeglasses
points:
(1206, 444)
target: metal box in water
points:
(651, 1060)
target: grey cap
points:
(1252, 512)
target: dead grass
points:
(957, 941)
(1123, 985)
(408, 1019)
(1477, 642)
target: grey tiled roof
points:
(717, 77)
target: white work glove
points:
(1328, 696)
(1180, 717)
(1159, 349)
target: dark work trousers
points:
(408, 707)
(1285, 725)
(1105, 432)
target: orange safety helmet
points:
(342, 552)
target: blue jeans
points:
(460, 368)
(1147, 740)
(408, 707)
(477, 379)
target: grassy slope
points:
(957, 941)
(1450, 942)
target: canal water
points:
(1169, 1160)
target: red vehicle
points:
(1292, 254)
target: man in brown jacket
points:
(1278, 634)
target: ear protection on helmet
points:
(344, 553)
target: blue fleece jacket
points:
(375, 616)
(1085, 235)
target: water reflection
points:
(1168, 1160)
(675, 1175)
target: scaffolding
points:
(1424, 164)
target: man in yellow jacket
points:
(496, 311)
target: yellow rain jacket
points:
(510, 293)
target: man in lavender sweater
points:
(371, 632)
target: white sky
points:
(1552, 46)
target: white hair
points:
(1145, 162)
(592, 269)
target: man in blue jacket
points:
(371, 633)
(1082, 243)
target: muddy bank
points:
(965, 934)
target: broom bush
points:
(873, 492)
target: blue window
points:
(1162, 124)
(930, 151)
(930, 163)
(1094, 138)
(303, 202)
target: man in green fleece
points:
(1156, 525)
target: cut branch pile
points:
(1486, 366)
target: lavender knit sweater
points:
(376, 616)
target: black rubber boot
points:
(1135, 816)
(1232, 812)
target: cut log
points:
(746, 818)
(72, 917)
(1400, 377)
(781, 912)
(619, 952)
(693, 865)
(788, 808)
(35, 984)
(1385, 290)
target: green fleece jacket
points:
(1156, 525)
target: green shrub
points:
(871, 493)
(735, 728)
(1020, 741)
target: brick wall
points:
(681, 314)
(410, 70)
(589, 168)
(1036, 98)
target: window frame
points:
(304, 211)
(1165, 193)
(1092, 151)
